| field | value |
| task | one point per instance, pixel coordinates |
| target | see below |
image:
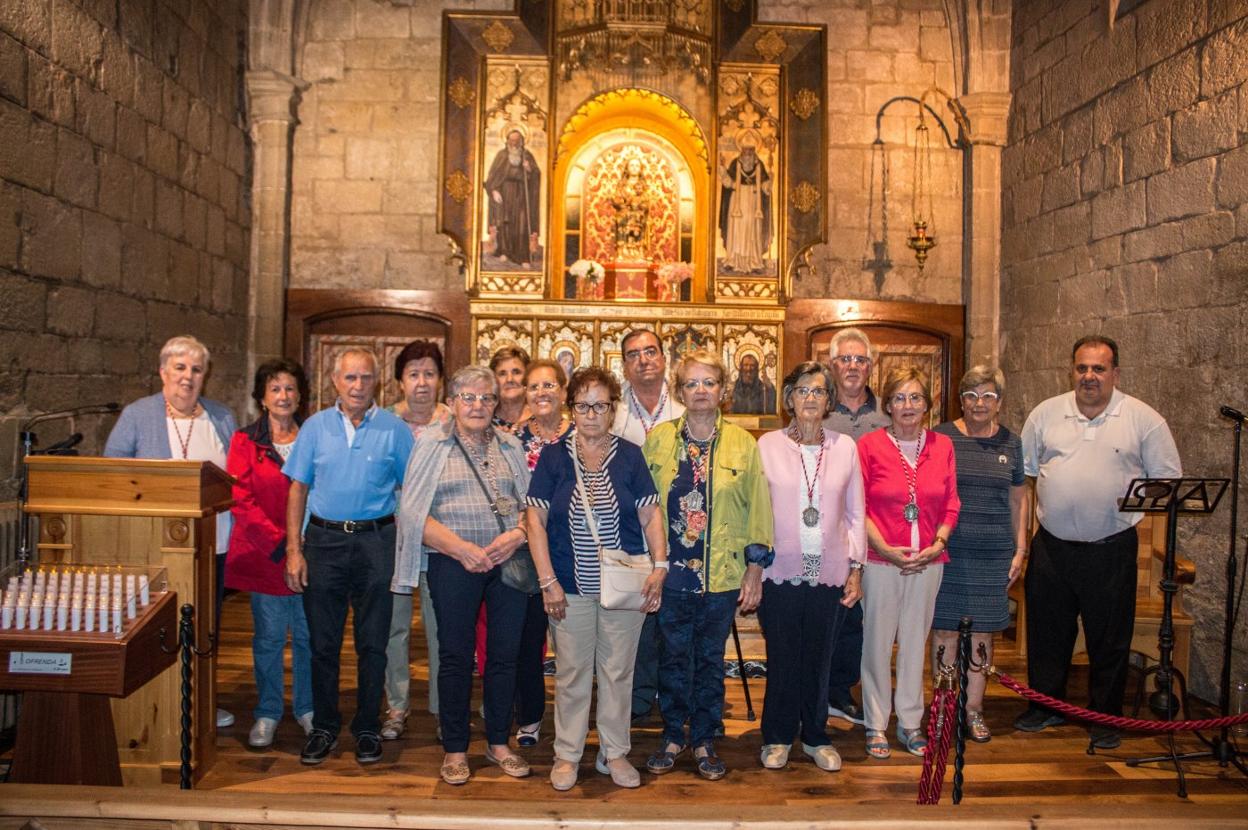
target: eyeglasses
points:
(852, 359)
(469, 398)
(706, 383)
(810, 391)
(583, 408)
(649, 353)
(545, 386)
(914, 399)
(971, 396)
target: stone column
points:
(981, 278)
(272, 99)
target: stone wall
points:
(365, 151)
(123, 202)
(1124, 189)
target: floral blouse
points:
(688, 517)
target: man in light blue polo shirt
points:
(344, 469)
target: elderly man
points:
(1082, 448)
(855, 413)
(344, 469)
(752, 394)
(514, 188)
(645, 403)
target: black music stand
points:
(1171, 496)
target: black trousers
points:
(1094, 581)
(344, 568)
(530, 674)
(846, 657)
(801, 624)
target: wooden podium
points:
(143, 512)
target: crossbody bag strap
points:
(591, 521)
(502, 526)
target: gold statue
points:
(631, 201)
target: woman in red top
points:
(912, 507)
(257, 552)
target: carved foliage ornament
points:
(458, 186)
(770, 45)
(804, 197)
(461, 92)
(804, 103)
(498, 36)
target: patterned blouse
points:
(689, 516)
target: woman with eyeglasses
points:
(591, 489)
(545, 383)
(817, 502)
(462, 508)
(989, 546)
(714, 495)
(912, 507)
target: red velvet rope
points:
(942, 721)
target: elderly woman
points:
(545, 386)
(912, 507)
(418, 372)
(704, 466)
(591, 477)
(176, 423)
(987, 550)
(508, 365)
(258, 546)
(462, 509)
(817, 500)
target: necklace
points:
(480, 456)
(539, 433)
(647, 422)
(184, 443)
(699, 453)
(911, 511)
(810, 516)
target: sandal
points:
(979, 730)
(710, 766)
(528, 735)
(392, 729)
(664, 760)
(877, 745)
(913, 740)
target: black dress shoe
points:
(1103, 738)
(367, 748)
(1037, 720)
(320, 743)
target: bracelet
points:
(662, 565)
(943, 541)
(855, 566)
(546, 583)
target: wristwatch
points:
(855, 566)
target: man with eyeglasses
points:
(1083, 448)
(645, 403)
(344, 469)
(855, 413)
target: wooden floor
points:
(1025, 770)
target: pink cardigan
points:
(887, 493)
(840, 503)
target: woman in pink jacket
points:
(820, 544)
(912, 507)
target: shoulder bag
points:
(622, 575)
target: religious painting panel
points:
(747, 241)
(610, 345)
(323, 350)
(514, 178)
(490, 335)
(680, 338)
(751, 353)
(569, 344)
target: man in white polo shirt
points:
(1083, 448)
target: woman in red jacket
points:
(256, 558)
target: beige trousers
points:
(398, 650)
(896, 609)
(588, 638)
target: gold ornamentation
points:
(770, 45)
(804, 103)
(804, 197)
(498, 36)
(459, 186)
(735, 5)
(461, 92)
(511, 284)
(593, 107)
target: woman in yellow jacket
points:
(718, 508)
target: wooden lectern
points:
(143, 512)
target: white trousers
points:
(592, 638)
(896, 609)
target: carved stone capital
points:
(273, 96)
(988, 114)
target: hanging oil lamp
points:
(924, 238)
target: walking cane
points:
(745, 683)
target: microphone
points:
(65, 447)
(1233, 414)
(89, 409)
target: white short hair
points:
(471, 375)
(354, 350)
(850, 334)
(180, 345)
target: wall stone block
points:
(1173, 84)
(96, 114)
(1183, 280)
(323, 61)
(22, 303)
(101, 240)
(1221, 61)
(77, 179)
(1118, 210)
(1182, 191)
(1207, 127)
(1165, 28)
(51, 237)
(71, 311)
(1233, 178)
(77, 40)
(29, 22)
(1146, 150)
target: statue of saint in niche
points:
(513, 187)
(631, 201)
(745, 212)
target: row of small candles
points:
(86, 598)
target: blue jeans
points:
(694, 628)
(272, 618)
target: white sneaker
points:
(224, 719)
(262, 732)
(774, 756)
(305, 722)
(825, 757)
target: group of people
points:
(497, 493)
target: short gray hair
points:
(981, 374)
(471, 375)
(354, 350)
(180, 345)
(801, 370)
(850, 334)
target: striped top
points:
(987, 469)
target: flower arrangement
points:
(589, 278)
(671, 275)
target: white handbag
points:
(622, 575)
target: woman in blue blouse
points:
(623, 507)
